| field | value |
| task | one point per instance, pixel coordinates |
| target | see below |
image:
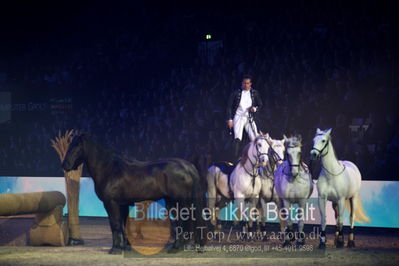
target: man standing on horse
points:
(242, 106)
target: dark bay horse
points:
(120, 182)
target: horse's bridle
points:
(323, 155)
(258, 155)
(321, 151)
(292, 165)
(275, 155)
(275, 158)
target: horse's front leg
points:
(124, 209)
(301, 223)
(336, 214)
(115, 221)
(221, 203)
(263, 218)
(142, 207)
(339, 243)
(279, 203)
(212, 195)
(322, 206)
(289, 231)
(170, 203)
(241, 216)
(253, 216)
(212, 208)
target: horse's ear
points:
(318, 131)
(328, 132)
(260, 133)
(300, 138)
(74, 133)
(285, 138)
(267, 136)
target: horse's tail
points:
(360, 214)
(199, 201)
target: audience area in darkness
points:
(140, 81)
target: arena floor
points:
(374, 247)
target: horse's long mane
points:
(110, 153)
(333, 150)
(294, 141)
(332, 147)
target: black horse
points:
(120, 182)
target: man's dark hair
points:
(247, 77)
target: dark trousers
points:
(237, 147)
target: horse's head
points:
(293, 146)
(75, 154)
(320, 144)
(278, 150)
(261, 146)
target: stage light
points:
(208, 36)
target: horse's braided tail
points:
(360, 214)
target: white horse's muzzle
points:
(263, 160)
(314, 154)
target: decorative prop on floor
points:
(72, 181)
(48, 229)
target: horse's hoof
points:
(289, 235)
(300, 242)
(173, 250)
(200, 249)
(212, 227)
(115, 251)
(263, 228)
(127, 247)
(237, 226)
(264, 237)
(176, 247)
(286, 243)
(219, 227)
(351, 243)
(250, 237)
(339, 244)
(322, 245)
(75, 242)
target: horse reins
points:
(274, 153)
(292, 165)
(255, 172)
(321, 155)
(321, 151)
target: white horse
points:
(294, 184)
(339, 182)
(268, 190)
(244, 181)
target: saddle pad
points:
(226, 167)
